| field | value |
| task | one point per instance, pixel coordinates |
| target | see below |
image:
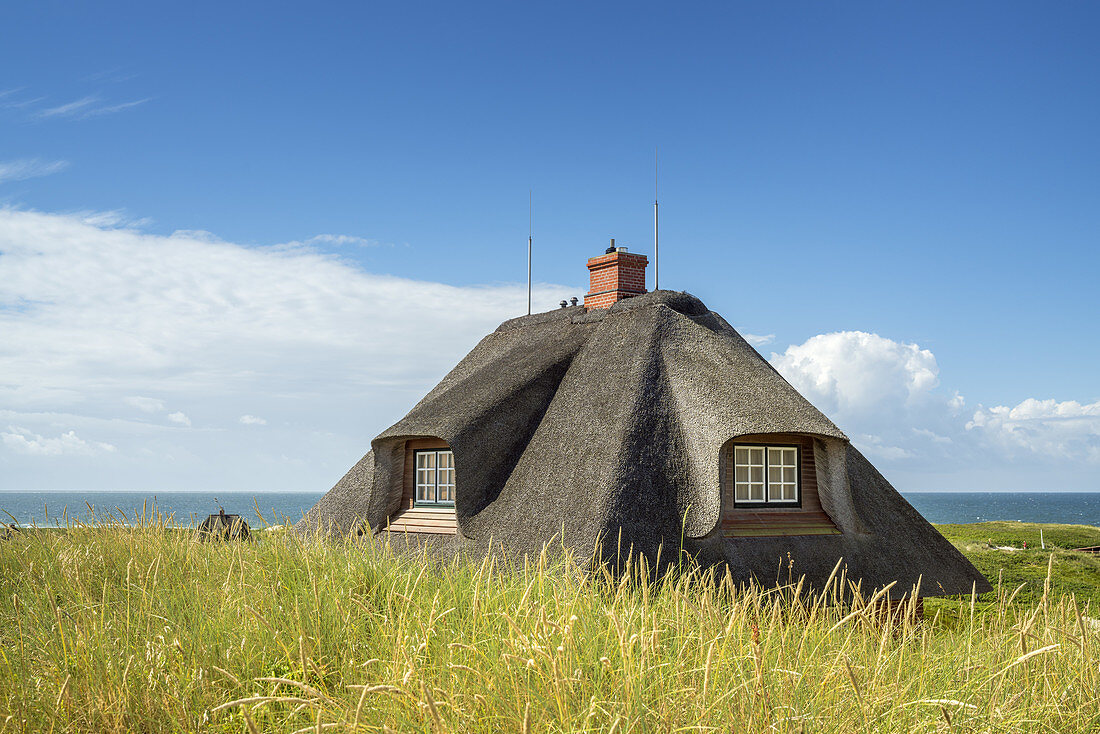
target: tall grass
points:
(113, 628)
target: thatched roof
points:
(604, 427)
(223, 526)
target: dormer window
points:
(435, 478)
(766, 475)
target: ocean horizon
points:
(52, 508)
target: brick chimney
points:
(615, 275)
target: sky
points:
(236, 243)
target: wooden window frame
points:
(767, 501)
(417, 502)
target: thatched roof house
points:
(224, 526)
(636, 421)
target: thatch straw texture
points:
(602, 430)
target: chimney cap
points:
(562, 303)
(610, 249)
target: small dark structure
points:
(224, 527)
(639, 423)
(1094, 549)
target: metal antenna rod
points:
(530, 198)
(656, 255)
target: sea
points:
(57, 508)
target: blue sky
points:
(924, 175)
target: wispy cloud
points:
(252, 420)
(113, 219)
(85, 107)
(144, 404)
(327, 240)
(21, 104)
(19, 170)
(341, 239)
(758, 340)
(112, 109)
(114, 76)
(23, 441)
(70, 109)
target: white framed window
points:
(435, 477)
(765, 475)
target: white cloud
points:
(113, 219)
(876, 448)
(1057, 430)
(931, 435)
(885, 394)
(757, 340)
(197, 235)
(101, 318)
(146, 405)
(119, 308)
(23, 441)
(19, 170)
(103, 322)
(853, 372)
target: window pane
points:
(782, 477)
(426, 476)
(446, 477)
(750, 474)
(782, 492)
(425, 485)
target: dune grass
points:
(996, 549)
(112, 629)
